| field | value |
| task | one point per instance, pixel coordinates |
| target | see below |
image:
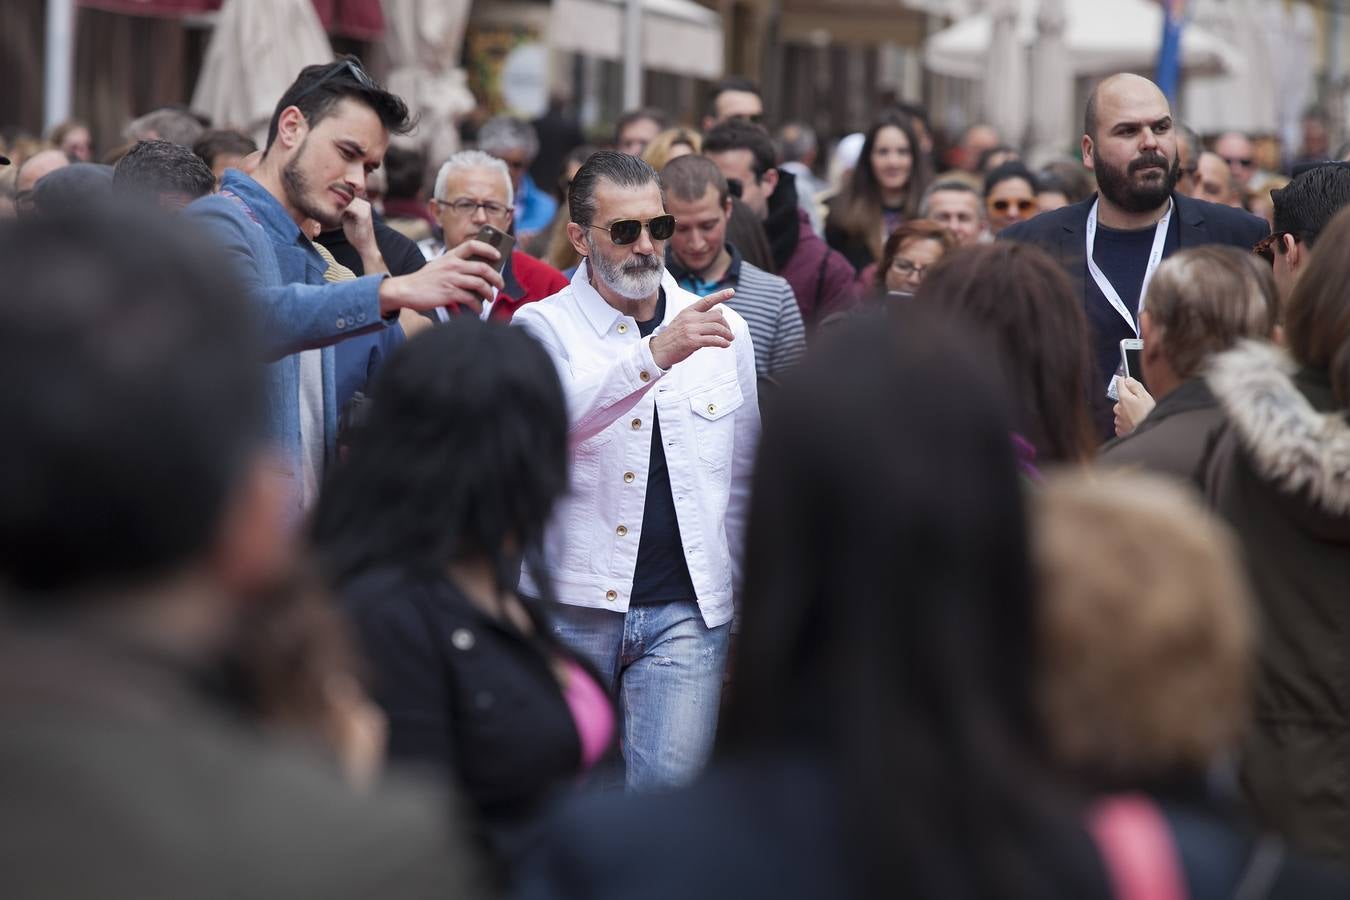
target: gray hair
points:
(176, 126)
(618, 169)
(465, 160)
(505, 133)
(795, 140)
(951, 184)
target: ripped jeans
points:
(665, 668)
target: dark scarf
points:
(783, 225)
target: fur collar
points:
(1291, 444)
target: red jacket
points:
(527, 280)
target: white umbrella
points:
(256, 50)
(422, 40)
(1096, 42)
(1052, 85)
(1005, 84)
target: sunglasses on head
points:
(1023, 206)
(349, 67)
(627, 231)
(1268, 246)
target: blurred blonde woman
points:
(1146, 654)
(671, 144)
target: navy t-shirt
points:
(662, 575)
(1123, 256)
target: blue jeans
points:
(665, 667)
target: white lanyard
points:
(1154, 258)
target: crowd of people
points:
(688, 515)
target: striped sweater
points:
(767, 304)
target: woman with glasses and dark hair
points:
(1009, 195)
(421, 532)
(910, 252)
(880, 738)
(1278, 474)
(1021, 300)
(884, 191)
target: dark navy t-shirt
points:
(662, 575)
(1123, 256)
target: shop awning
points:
(359, 19)
(678, 36)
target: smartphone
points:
(499, 239)
(1131, 354)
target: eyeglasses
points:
(735, 187)
(907, 268)
(345, 67)
(1268, 246)
(465, 207)
(627, 231)
(1002, 206)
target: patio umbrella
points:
(422, 40)
(256, 50)
(1005, 82)
(1052, 85)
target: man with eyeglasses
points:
(734, 98)
(329, 130)
(1111, 243)
(1239, 153)
(515, 143)
(473, 189)
(645, 549)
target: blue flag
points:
(1168, 72)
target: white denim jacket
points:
(709, 422)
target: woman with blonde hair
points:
(672, 144)
(1146, 649)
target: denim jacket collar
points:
(265, 209)
(599, 313)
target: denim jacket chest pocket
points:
(714, 424)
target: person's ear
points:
(255, 545)
(1151, 335)
(727, 207)
(576, 234)
(1294, 252)
(292, 128)
(770, 182)
(1087, 148)
(434, 211)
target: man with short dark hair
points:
(703, 262)
(734, 98)
(822, 280)
(223, 149)
(662, 400)
(139, 527)
(330, 128)
(636, 129)
(1214, 181)
(1303, 208)
(1111, 243)
(166, 174)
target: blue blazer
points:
(1063, 234)
(296, 309)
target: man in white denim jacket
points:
(645, 551)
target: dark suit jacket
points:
(1062, 233)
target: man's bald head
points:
(38, 165)
(1122, 86)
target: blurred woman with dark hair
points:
(1021, 300)
(880, 738)
(1280, 473)
(883, 192)
(421, 531)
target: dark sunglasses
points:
(735, 188)
(1023, 206)
(346, 67)
(627, 231)
(1268, 246)
(1240, 160)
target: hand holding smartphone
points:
(502, 242)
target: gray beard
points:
(636, 284)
